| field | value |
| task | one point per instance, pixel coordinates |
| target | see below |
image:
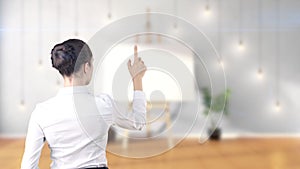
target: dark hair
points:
(67, 57)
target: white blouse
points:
(75, 124)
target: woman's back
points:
(75, 122)
(65, 124)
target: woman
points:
(62, 125)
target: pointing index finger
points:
(135, 53)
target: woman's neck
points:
(69, 81)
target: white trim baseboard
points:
(253, 135)
(12, 136)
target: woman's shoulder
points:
(103, 96)
(41, 108)
(48, 101)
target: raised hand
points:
(138, 68)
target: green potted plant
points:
(214, 106)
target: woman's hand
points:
(137, 70)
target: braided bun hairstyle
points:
(67, 57)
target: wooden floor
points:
(275, 153)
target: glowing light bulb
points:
(40, 64)
(109, 15)
(22, 104)
(277, 106)
(175, 25)
(260, 73)
(241, 45)
(207, 10)
(221, 63)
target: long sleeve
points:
(34, 144)
(134, 120)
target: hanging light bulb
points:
(22, 51)
(221, 63)
(219, 9)
(58, 33)
(148, 26)
(58, 20)
(241, 46)
(76, 32)
(277, 59)
(22, 104)
(175, 25)
(109, 9)
(40, 36)
(260, 73)
(277, 106)
(40, 63)
(207, 10)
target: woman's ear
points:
(87, 67)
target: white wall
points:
(252, 101)
(1, 70)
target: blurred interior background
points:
(256, 42)
(256, 57)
